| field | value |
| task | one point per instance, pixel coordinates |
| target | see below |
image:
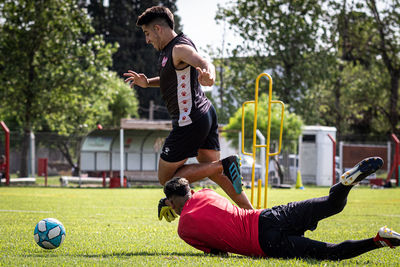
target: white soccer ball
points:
(49, 233)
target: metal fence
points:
(48, 145)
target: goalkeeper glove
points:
(165, 211)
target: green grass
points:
(119, 227)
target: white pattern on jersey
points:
(184, 95)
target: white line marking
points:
(33, 211)
(390, 215)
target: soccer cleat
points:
(387, 238)
(231, 167)
(363, 169)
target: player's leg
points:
(167, 170)
(207, 155)
(276, 243)
(192, 172)
(337, 198)
(177, 148)
(185, 142)
(210, 166)
(301, 247)
(227, 173)
(305, 215)
(181, 144)
(230, 165)
(205, 168)
(216, 170)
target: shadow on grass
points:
(177, 255)
(172, 256)
(144, 253)
(133, 254)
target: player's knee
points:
(338, 206)
(162, 180)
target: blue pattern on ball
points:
(49, 233)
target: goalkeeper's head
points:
(177, 192)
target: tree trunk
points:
(338, 112)
(394, 100)
(64, 149)
(23, 171)
(29, 95)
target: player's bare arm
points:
(184, 55)
(141, 80)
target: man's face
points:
(152, 35)
(174, 204)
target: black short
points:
(281, 229)
(184, 142)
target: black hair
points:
(156, 13)
(176, 187)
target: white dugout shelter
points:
(135, 157)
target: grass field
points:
(119, 227)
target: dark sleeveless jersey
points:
(180, 89)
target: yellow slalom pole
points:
(248, 154)
(267, 145)
(259, 193)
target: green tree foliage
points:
(123, 102)
(291, 123)
(238, 78)
(335, 62)
(51, 77)
(351, 34)
(357, 109)
(117, 23)
(281, 37)
(361, 72)
(387, 24)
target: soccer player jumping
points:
(209, 222)
(195, 127)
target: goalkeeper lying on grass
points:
(209, 222)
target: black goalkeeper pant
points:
(281, 229)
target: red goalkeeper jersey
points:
(210, 221)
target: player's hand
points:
(165, 211)
(136, 78)
(206, 78)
